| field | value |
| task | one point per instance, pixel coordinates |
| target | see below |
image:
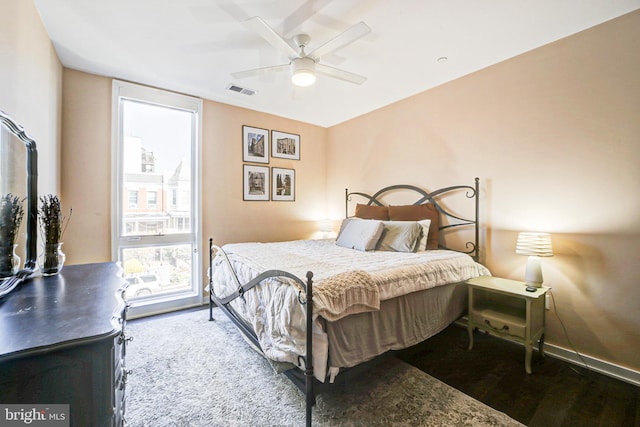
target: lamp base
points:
(533, 274)
(533, 286)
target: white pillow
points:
(344, 223)
(421, 245)
(360, 234)
(399, 236)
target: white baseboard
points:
(601, 366)
(597, 365)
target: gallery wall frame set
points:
(258, 183)
(257, 180)
(255, 145)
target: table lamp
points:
(326, 227)
(535, 245)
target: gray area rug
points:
(188, 371)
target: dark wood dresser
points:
(62, 341)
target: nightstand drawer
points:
(501, 322)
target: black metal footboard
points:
(305, 298)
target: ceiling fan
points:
(304, 65)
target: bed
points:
(319, 308)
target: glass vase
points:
(9, 261)
(52, 259)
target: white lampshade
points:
(326, 225)
(303, 72)
(538, 244)
(535, 245)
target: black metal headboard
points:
(434, 197)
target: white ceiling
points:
(193, 46)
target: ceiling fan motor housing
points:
(301, 40)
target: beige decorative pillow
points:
(421, 244)
(417, 213)
(399, 236)
(360, 234)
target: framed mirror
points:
(19, 197)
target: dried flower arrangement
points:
(11, 214)
(52, 222)
(52, 225)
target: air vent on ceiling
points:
(239, 89)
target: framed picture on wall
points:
(283, 184)
(285, 145)
(255, 145)
(255, 182)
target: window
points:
(156, 145)
(152, 199)
(133, 199)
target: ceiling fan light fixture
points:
(303, 78)
(303, 72)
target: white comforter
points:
(278, 318)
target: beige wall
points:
(554, 135)
(31, 84)
(226, 217)
(86, 161)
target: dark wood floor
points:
(556, 394)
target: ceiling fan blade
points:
(259, 26)
(340, 74)
(341, 40)
(299, 16)
(259, 71)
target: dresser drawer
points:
(500, 321)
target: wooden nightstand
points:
(503, 308)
